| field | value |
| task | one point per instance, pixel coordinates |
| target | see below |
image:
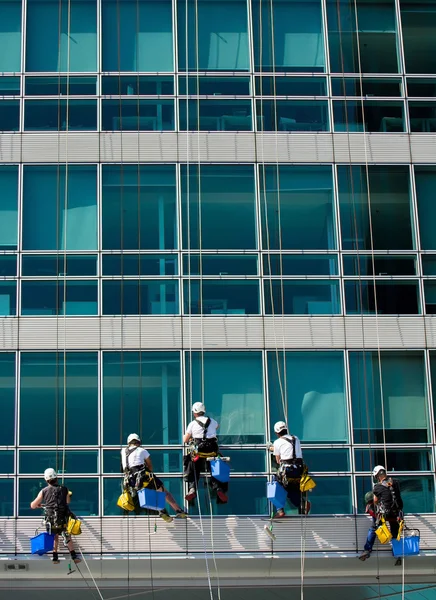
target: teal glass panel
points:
(421, 88)
(7, 464)
(326, 459)
(9, 115)
(52, 221)
(218, 207)
(10, 36)
(8, 298)
(137, 36)
(8, 265)
(140, 264)
(210, 39)
(417, 493)
(215, 115)
(61, 36)
(137, 85)
(245, 461)
(9, 86)
(297, 208)
(221, 297)
(247, 496)
(164, 461)
(221, 264)
(7, 386)
(302, 297)
(374, 116)
(46, 405)
(398, 459)
(315, 390)
(428, 264)
(430, 297)
(366, 86)
(332, 497)
(127, 297)
(366, 223)
(84, 501)
(425, 179)
(46, 265)
(305, 264)
(112, 488)
(231, 383)
(292, 115)
(137, 115)
(362, 36)
(382, 297)
(291, 86)
(401, 377)
(49, 298)
(61, 86)
(214, 86)
(418, 20)
(422, 117)
(143, 390)
(139, 207)
(8, 207)
(60, 115)
(73, 461)
(6, 497)
(288, 36)
(370, 264)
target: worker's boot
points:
(55, 559)
(279, 514)
(180, 514)
(74, 557)
(191, 495)
(165, 516)
(221, 497)
(365, 554)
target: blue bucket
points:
(151, 499)
(407, 546)
(42, 543)
(220, 470)
(276, 494)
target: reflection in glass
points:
(8, 207)
(374, 116)
(6, 497)
(84, 501)
(382, 297)
(219, 264)
(418, 21)
(140, 264)
(417, 493)
(221, 297)
(292, 115)
(398, 459)
(127, 297)
(53, 265)
(9, 115)
(7, 458)
(425, 181)
(7, 387)
(8, 298)
(370, 264)
(164, 461)
(326, 459)
(52, 298)
(215, 115)
(304, 264)
(10, 37)
(60, 115)
(72, 461)
(302, 297)
(137, 115)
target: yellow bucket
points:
(125, 501)
(74, 526)
(383, 533)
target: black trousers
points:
(290, 479)
(193, 470)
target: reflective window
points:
(430, 297)
(140, 264)
(375, 264)
(164, 461)
(208, 39)
(137, 36)
(9, 115)
(9, 86)
(333, 496)
(53, 265)
(367, 86)
(248, 498)
(73, 461)
(137, 85)
(232, 385)
(398, 459)
(64, 86)
(214, 86)
(215, 115)
(61, 36)
(140, 297)
(6, 497)
(84, 501)
(52, 221)
(60, 115)
(143, 390)
(10, 36)
(302, 297)
(417, 493)
(139, 207)
(374, 116)
(245, 461)
(326, 459)
(422, 116)
(220, 264)
(291, 86)
(421, 88)
(428, 264)
(382, 297)
(366, 218)
(418, 20)
(399, 378)
(7, 464)
(221, 297)
(315, 394)
(8, 298)
(218, 207)
(425, 180)
(44, 397)
(8, 265)
(137, 115)
(297, 207)
(8, 207)
(7, 386)
(294, 264)
(292, 115)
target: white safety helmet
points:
(50, 474)
(376, 470)
(198, 407)
(133, 437)
(279, 426)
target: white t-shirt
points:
(197, 430)
(136, 458)
(284, 449)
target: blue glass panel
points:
(218, 207)
(8, 265)
(221, 264)
(208, 39)
(48, 298)
(112, 488)
(430, 297)
(292, 115)
(8, 207)
(421, 88)
(6, 497)
(7, 386)
(215, 115)
(302, 297)
(375, 116)
(139, 207)
(64, 86)
(9, 115)
(140, 297)
(393, 297)
(43, 399)
(61, 36)
(137, 36)
(397, 459)
(247, 496)
(294, 264)
(8, 298)
(422, 116)
(288, 36)
(353, 86)
(51, 222)
(9, 86)
(46, 265)
(425, 178)
(214, 86)
(143, 391)
(60, 115)
(221, 297)
(164, 461)
(140, 264)
(137, 85)
(72, 461)
(233, 391)
(332, 496)
(7, 461)
(418, 20)
(245, 461)
(84, 501)
(326, 459)
(291, 86)
(314, 387)
(428, 264)
(10, 36)
(137, 115)
(417, 493)
(368, 264)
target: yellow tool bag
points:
(125, 501)
(306, 483)
(400, 530)
(383, 533)
(74, 526)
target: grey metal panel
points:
(53, 147)
(380, 148)
(294, 147)
(8, 333)
(423, 148)
(50, 333)
(141, 332)
(217, 146)
(223, 332)
(430, 331)
(386, 332)
(10, 148)
(143, 147)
